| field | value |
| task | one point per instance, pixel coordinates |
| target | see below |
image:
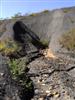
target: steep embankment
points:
(49, 26)
(53, 78)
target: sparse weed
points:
(45, 43)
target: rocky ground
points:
(53, 78)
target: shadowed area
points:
(29, 41)
(24, 35)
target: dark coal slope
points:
(24, 35)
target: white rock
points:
(36, 91)
(43, 84)
(47, 91)
(46, 75)
(41, 99)
(1, 74)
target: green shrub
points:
(17, 67)
(66, 10)
(46, 11)
(68, 40)
(13, 67)
(45, 43)
(33, 14)
(18, 70)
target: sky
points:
(9, 8)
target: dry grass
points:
(8, 46)
(68, 40)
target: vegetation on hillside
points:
(45, 11)
(66, 10)
(18, 69)
(68, 40)
(17, 66)
(8, 46)
(45, 43)
(33, 14)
